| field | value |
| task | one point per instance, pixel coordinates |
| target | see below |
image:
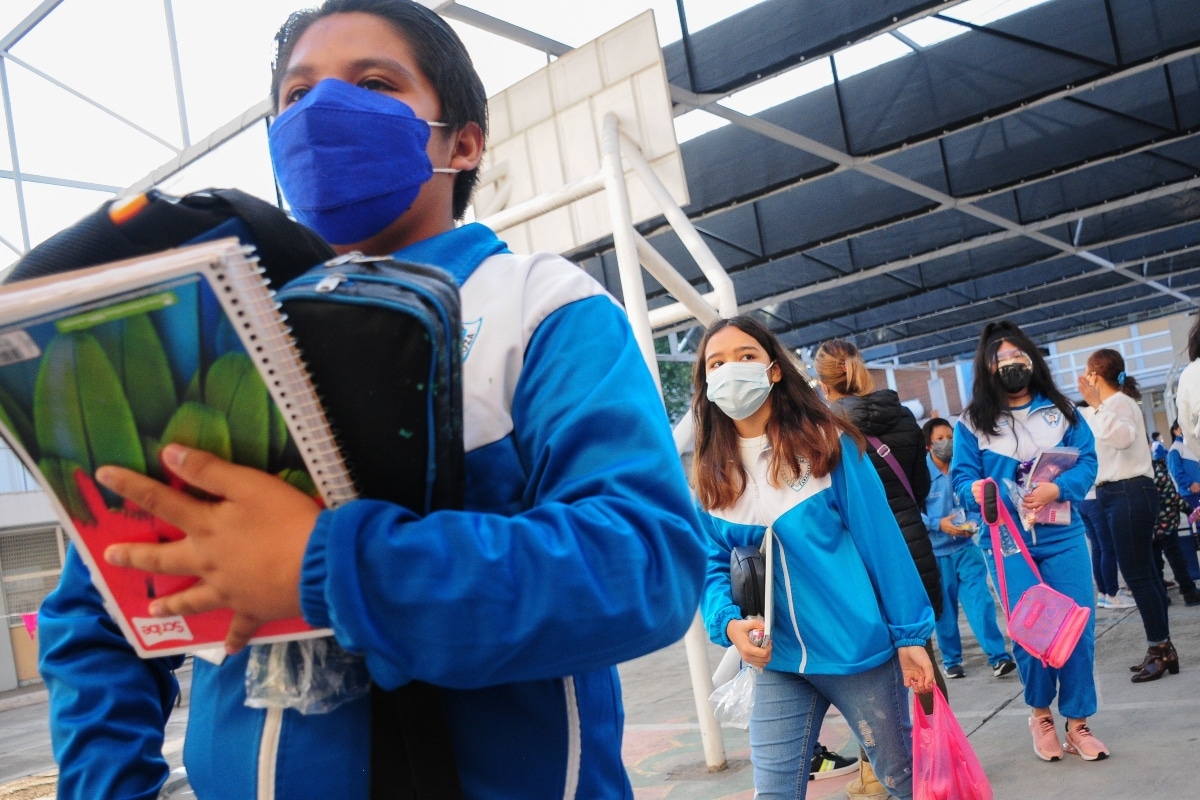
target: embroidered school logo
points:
(470, 332)
(805, 469)
(1053, 417)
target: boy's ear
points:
(468, 147)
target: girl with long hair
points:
(1128, 500)
(1015, 413)
(851, 615)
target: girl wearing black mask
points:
(1016, 412)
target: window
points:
(30, 563)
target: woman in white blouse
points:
(1128, 500)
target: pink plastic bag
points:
(945, 766)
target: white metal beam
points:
(873, 170)
(26, 25)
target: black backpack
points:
(382, 341)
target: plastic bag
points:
(732, 701)
(1007, 544)
(312, 676)
(945, 766)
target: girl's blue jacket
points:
(847, 592)
(980, 455)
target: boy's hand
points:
(246, 543)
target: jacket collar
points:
(458, 251)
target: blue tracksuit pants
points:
(1066, 567)
(964, 579)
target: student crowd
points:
(578, 546)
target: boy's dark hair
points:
(933, 424)
(988, 396)
(1156, 436)
(440, 54)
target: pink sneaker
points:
(1045, 741)
(1082, 743)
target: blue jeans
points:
(1065, 567)
(964, 577)
(1104, 559)
(787, 715)
(1130, 508)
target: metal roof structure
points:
(1043, 168)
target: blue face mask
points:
(350, 161)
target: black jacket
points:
(880, 414)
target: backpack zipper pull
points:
(329, 283)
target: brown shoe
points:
(1160, 659)
(865, 786)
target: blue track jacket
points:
(939, 504)
(847, 592)
(579, 548)
(980, 455)
(1183, 468)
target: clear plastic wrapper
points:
(1008, 545)
(733, 701)
(312, 676)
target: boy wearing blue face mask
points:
(573, 555)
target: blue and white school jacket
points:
(846, 590)
(1184, 468)
(579, 548)
(1023, 433)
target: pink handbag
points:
(1045, 622)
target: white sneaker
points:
(1120, 600)
(1103, 602)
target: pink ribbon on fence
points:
(30, 621)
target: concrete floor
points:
(1151, 729)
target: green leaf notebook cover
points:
(107, 365)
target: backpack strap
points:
(412, 757)
(885, 452)
(287, 248)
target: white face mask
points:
(739, 388)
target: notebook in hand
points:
(106, 365)
(1049, 464)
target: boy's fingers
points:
(149, 495)
(203, 470)
(192, 600)
(241, 631)
(171, 558)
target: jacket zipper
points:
(268, 753)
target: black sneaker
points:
(828, 764)
(956, 671)
(1004, 668)
(1191, 599)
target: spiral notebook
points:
(107, 365)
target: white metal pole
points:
(634, 291)
(715, 273)
(629, 268)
